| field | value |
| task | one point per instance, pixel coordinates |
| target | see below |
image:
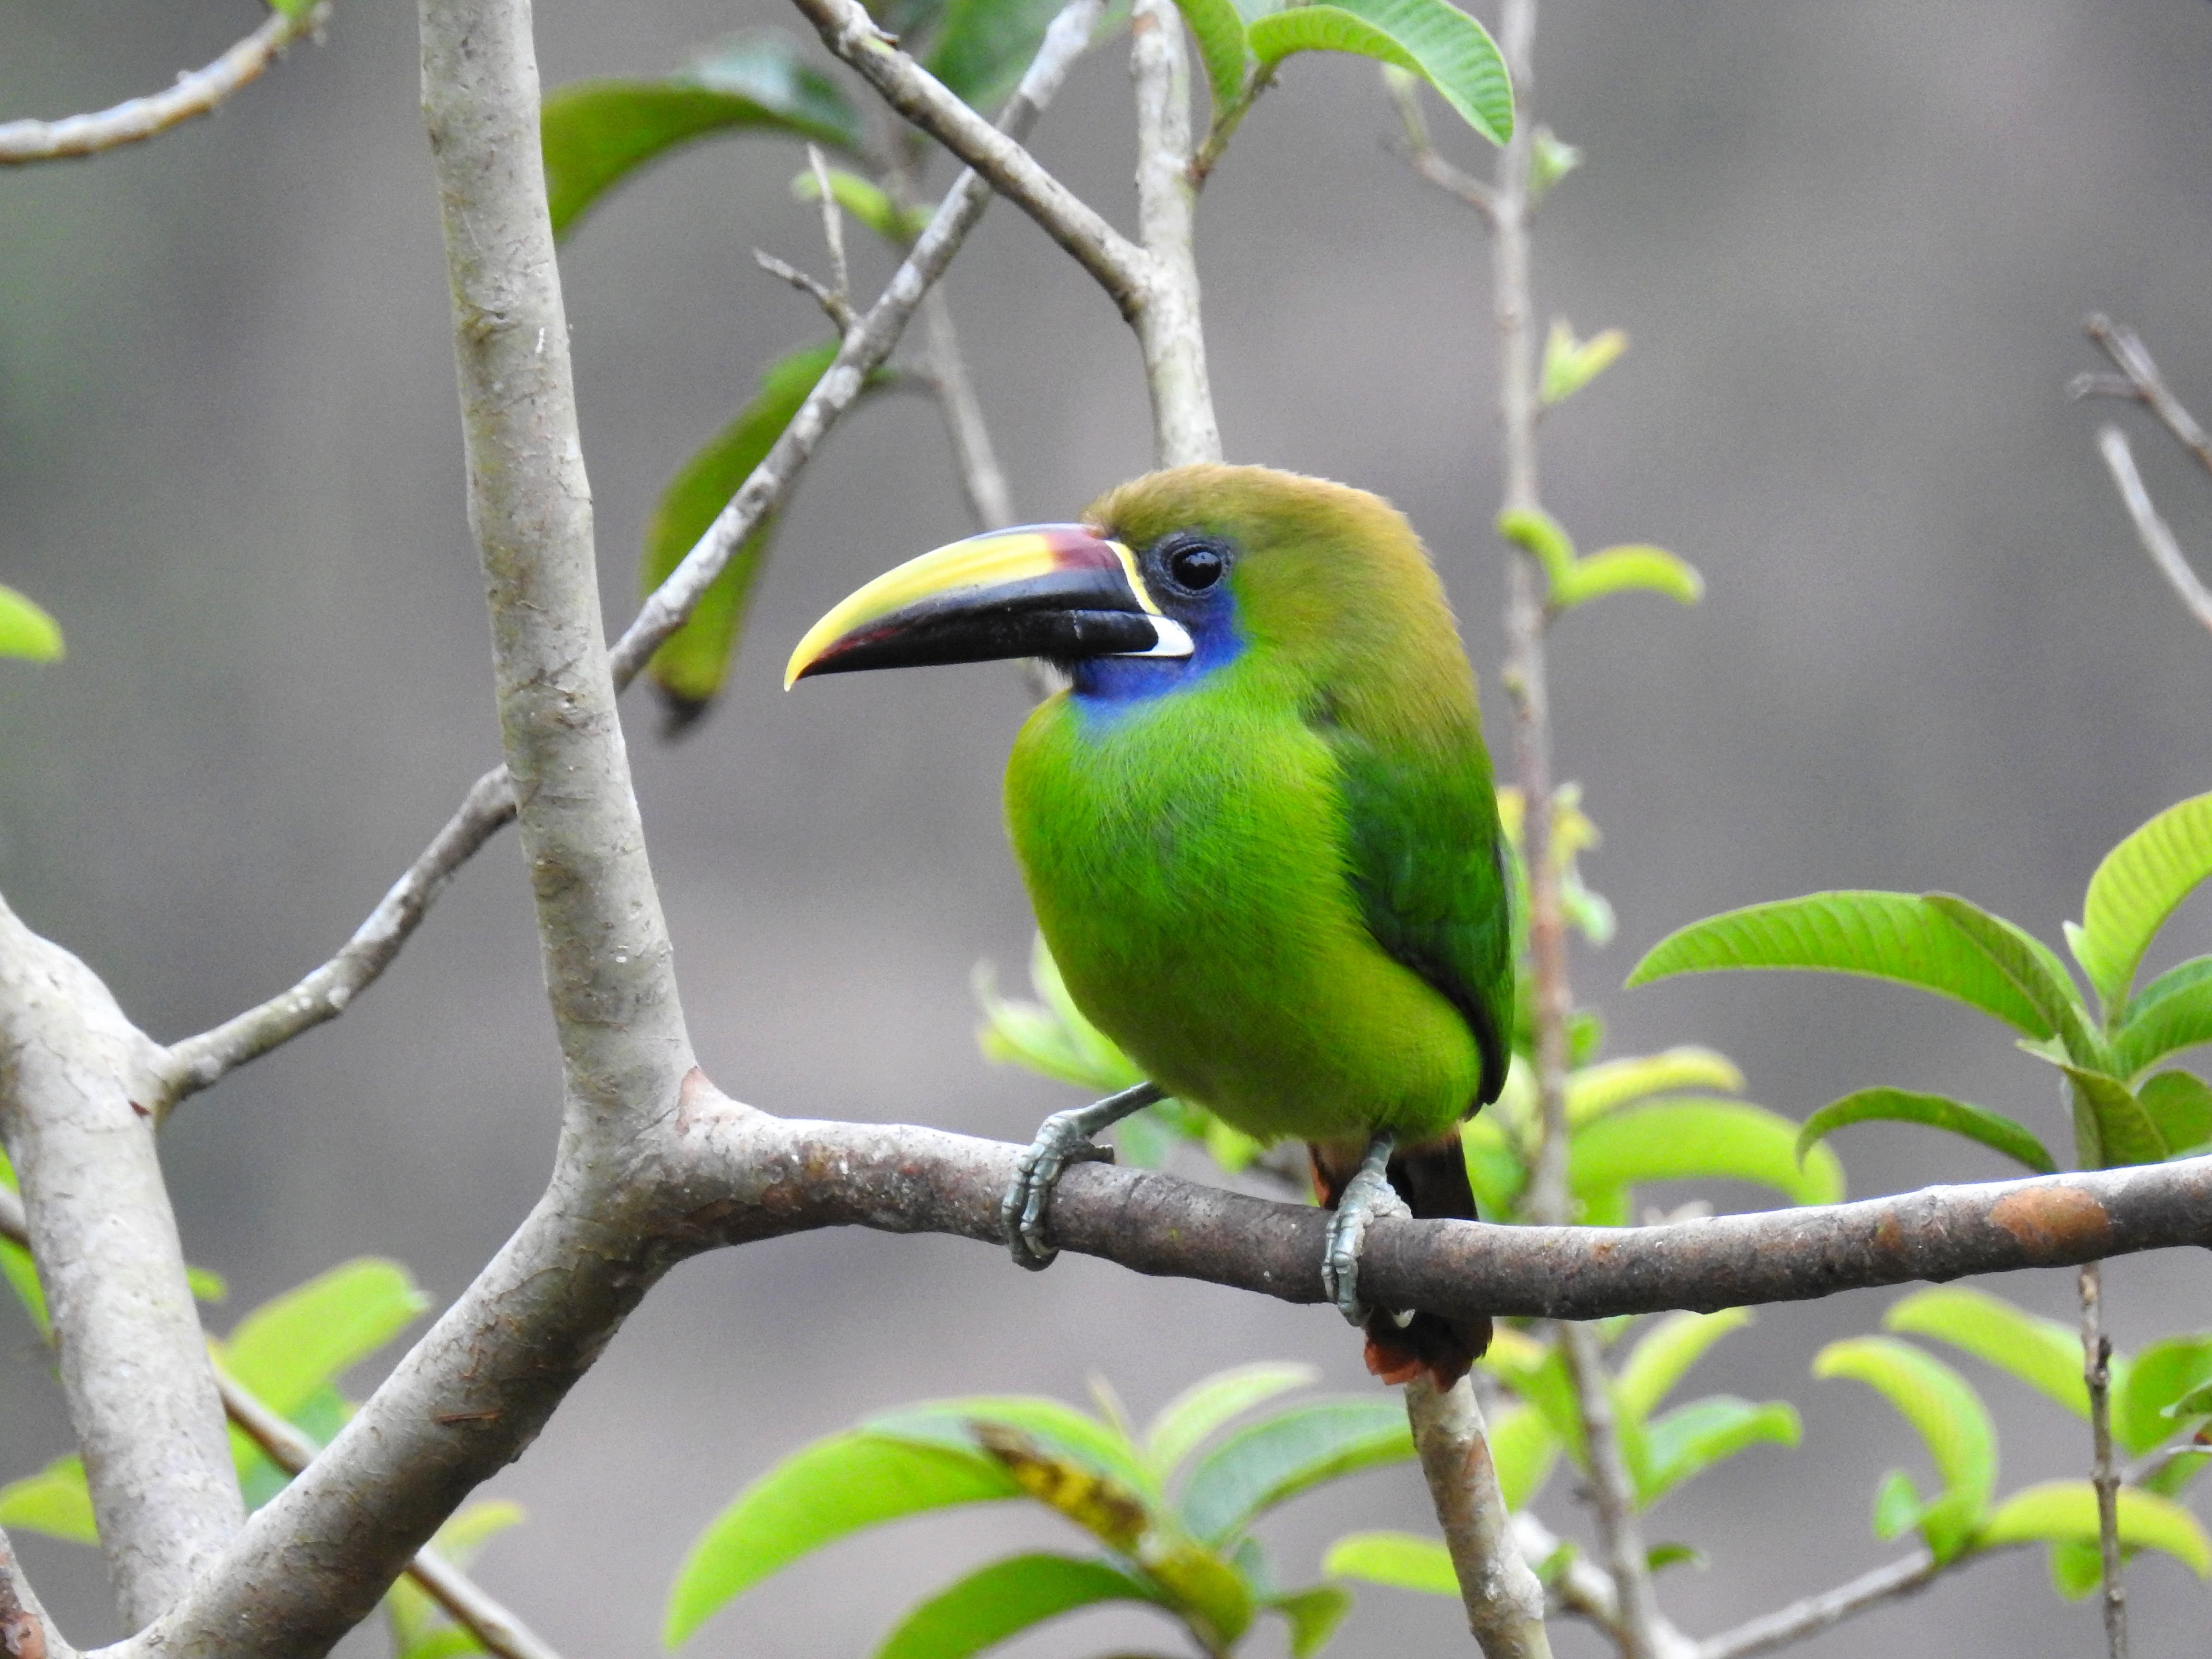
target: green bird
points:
(1258, 828)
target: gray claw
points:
(1063, 1139)
(1365, 1196)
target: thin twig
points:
(833, 229)
(1889, 1582)
(975, 458)
(1504, 1600)
(2153, 531)
(195, 93)
(1421, 151)
(1169, 330)
(2139, 378)
(493, 1627)
(197, 1063)
(2097, 1373)
(834, 305)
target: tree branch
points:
(1120, 266)
(2097, 1378)
(975, 459)
(1504, 1600)
(196, 93)
(2139, 379)
(713, 1173)
(1815, 1614)
(133, 1363)
(1169, 330)
(26, 1632)
(2153, 531)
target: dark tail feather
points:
(1432, 1179)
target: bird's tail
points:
(1432, 1179)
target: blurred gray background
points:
(1853, 244)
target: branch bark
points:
(2140, 378)
(2103, 1475)
(26, 1632)
(1815, 1614)
(196, 93)
(1504, 1600)
(73, 1074)
(1170, 332)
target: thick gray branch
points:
(194, 94)
(1120, 266)
(601, 937)
(73, 1077)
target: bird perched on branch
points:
(1258, 829)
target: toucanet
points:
(1258, 828)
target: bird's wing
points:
(1426, 859)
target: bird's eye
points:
(1196, 566)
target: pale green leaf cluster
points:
(26, 630)
(1171, 1508)
(2150, 1394)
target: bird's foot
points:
(1063, 1139)
(1365, 1196)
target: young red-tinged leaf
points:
(2135, 889)
(293, 1344)
(2041, 1353)
(1947, 1414)
(2066, 1510)
(1273, 1460)
(1977, 1123)
(1398, 1560)
(1898, 937)
(26, 630)
(54, 1502)
(1002, 1600)
(819, 1494)
(595, 134)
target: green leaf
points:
(1052, 1037)
(2179, 1106)
(1059, 1429)
(55, 1501)
(207, 1285)
(287, 1348)
(1312, 1615)
(2135, 889)
(819, 1494)
(1571, 364)
(1446, 47)
(2041, 1353)
(2111, 1128)
(866, 201)
(1550, 161)
(1692, 1438)
(18, 1269)
(2066, 1512)
(596, 133)
(983, 45)
(26, 630)
(1976, 1123)
(1217, 28)
(2173, 1012)
(1623, 570)
(1523, 1449)
(689, 668)
(2034, 968)
(1596, 1089)
(418, 1623)
(2174, 1473)
(2161, 1376)
(1897, 937)
(1664, 1353)
(1538, 534)
(1689, 1138)
(1896, 1506)
(1280, 1456)
(1004, 1599)
(1948, 1416)
(2077, 1566)
(1660, 1556)
(1397, 1560)
(1178, 1427)
(1494, 1169)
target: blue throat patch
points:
(1105, 686)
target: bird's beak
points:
(1053, 590)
